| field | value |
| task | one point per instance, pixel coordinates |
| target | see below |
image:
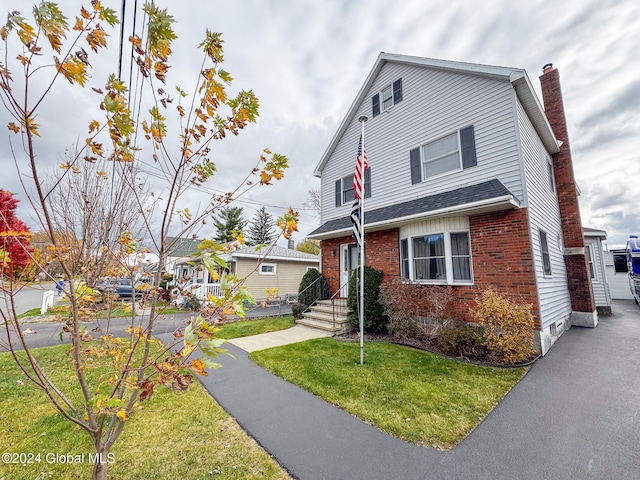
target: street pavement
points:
(28, 296)
(575, 415)
(41, 334)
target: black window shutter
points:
(468, 144)
(375, 102)
(338, 193)
(416, 170)
(397, 91)
(367, 183)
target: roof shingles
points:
(488, 190)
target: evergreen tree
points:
(229, 224)
(261, 230)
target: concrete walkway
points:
(294, 334)
(575, 415)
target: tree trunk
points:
(100, 467)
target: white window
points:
(544, 249)
(441, 156)
(592, 266)
(552, 185)
(443, 258)
(451, 153)
(348, 192)
(268, 269)
(345, 193)
(387, 98)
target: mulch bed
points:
(429, 346)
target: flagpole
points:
(362, 120)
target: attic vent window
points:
(389, 96)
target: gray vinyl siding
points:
(544, 214)
(435, 103)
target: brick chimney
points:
(579, 278)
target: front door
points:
(349, 261)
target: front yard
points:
(418, 396)
(172, 435)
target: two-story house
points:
(470, 184)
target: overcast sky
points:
(307, 59)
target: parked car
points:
(123, 287)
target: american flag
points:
(361, 166)
(358, 187)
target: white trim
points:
(273, 265)
(269, 257)
(542, 253)
(591, 263)
(410, 233)
(423, 163)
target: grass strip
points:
(245, 328)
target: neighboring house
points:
(597, 269)
(263, 268)
(272, 267)
(470, 184)
(179, 252)
(184, 262)
(617, 274)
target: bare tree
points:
(89, 208)
(314, 202)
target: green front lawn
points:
(173, 435)
(245, 328)
(418, 396)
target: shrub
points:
(414, 310)
(508, 327)
(164, 295)
(308, 294)
(192, 303)
(166, 278)
(462, 339)
(404, 326)
(297, 310)
(374, 320)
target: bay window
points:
(443, 258)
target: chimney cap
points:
(547, 68)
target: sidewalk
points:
(294, 334)
(575, 415)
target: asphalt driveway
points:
(575, 415)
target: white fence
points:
(203, 290)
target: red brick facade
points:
(580, 288)
(501, 255)
(382, 253)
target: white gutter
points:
(269, 257)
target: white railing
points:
(203, 290)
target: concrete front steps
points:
(320, 316)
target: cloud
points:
(307, 60)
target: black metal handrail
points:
(317, 290)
